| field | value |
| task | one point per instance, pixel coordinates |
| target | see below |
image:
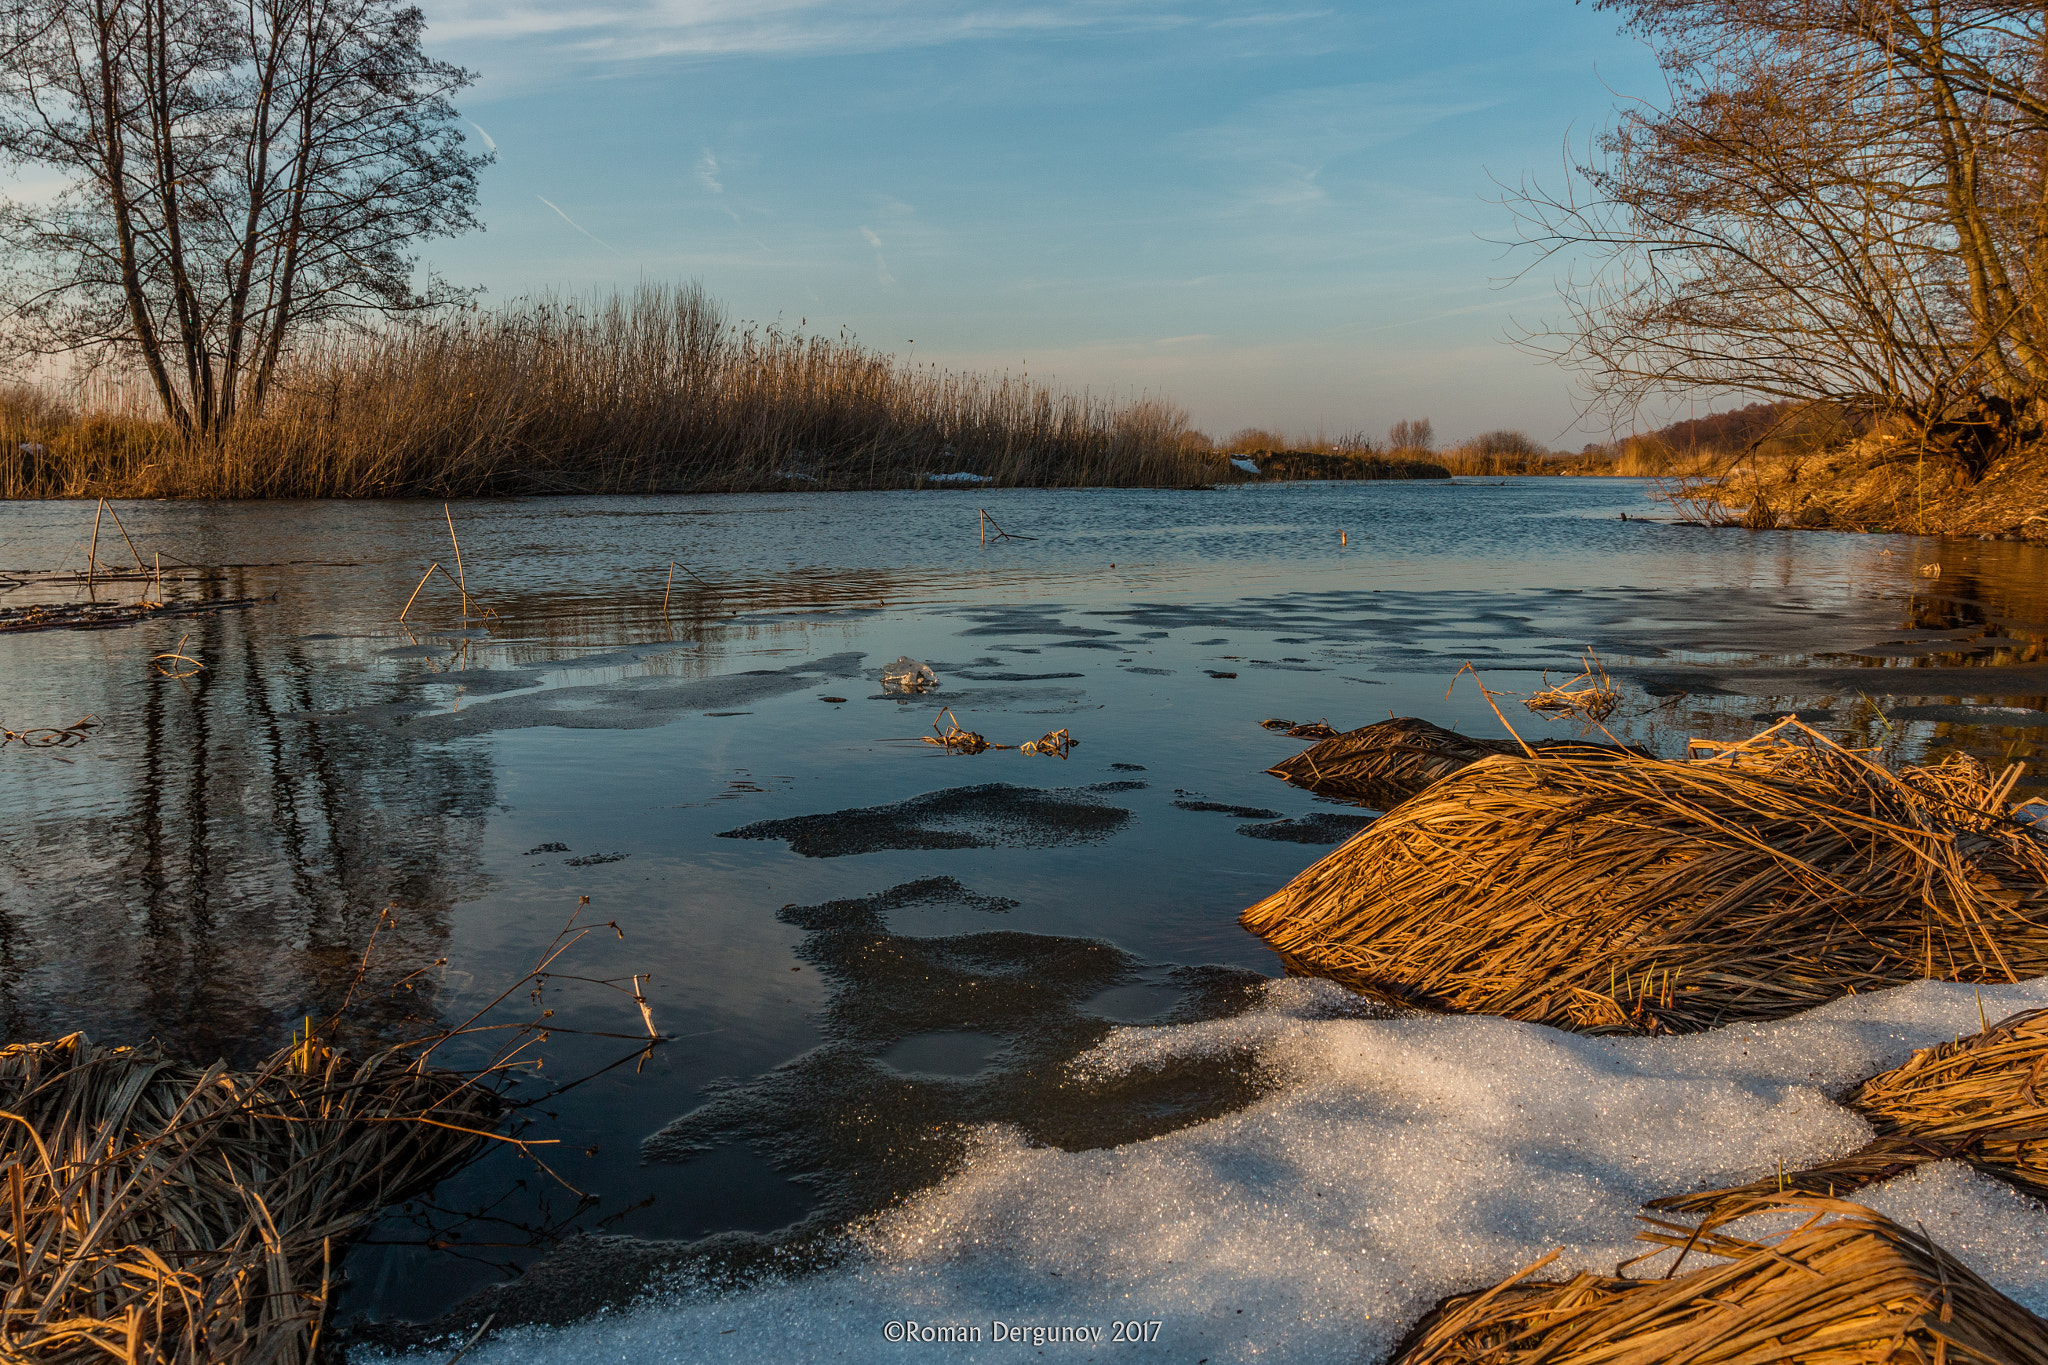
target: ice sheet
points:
(1398, 1160)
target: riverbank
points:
(1856, 489)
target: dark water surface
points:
(843, 991)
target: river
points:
(1018, 990)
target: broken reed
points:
(1845, 1286)
(948, 734)
(649, 391)
(1606, 892)
(1592, 694)
(160, 1212)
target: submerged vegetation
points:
(652, 391)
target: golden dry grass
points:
(1847, 1286)
(1603, 891)
(652, 391)
(153, 1211)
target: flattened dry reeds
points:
(1845, 1287)
(95, 615)
(1981, 1099)
(157, 1211)
(1616, 893)
(1385, 763)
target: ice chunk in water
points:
(909, 675)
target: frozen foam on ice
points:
(1396, 1160)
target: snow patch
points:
(1397, 1161)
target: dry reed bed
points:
(155, 1211)
(653, 391)
(1608, 892)
(1981, 1099)
(1847, 1286)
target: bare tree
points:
(1841, 202)
(1411, 433)
(234, 171)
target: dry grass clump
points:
(1845, 1287)
(1873, 484)
(157, 1211)
(1977, 1093)
(653, 391)
(1591, 695)
(1981, 1099)
(1385, 763)
(1610, 892)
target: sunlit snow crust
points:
(1396, 1161)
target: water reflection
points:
(207, 870)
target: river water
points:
(877, 1014)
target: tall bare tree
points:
(230, 173)
(1840, 200)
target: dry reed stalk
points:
(1603, 891)
(1053, 742)
(955, 740)
(1847, 1286)
(988, 523)
(175, 663)
(51, 736)
(124, 534)
(161, 1212)
(92, 553)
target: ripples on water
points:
(206, 867)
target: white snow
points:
(1397, 1161)
(957, 476)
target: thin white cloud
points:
(489, 141)
(881, 266)
(707, 172)
(1270, 18)
(639, 29)
(579, 227)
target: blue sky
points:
(1274, 215)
